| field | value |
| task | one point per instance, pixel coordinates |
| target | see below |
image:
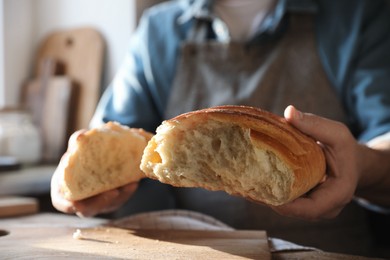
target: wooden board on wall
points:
(80, 51)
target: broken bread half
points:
(102, 159)
(243, 151)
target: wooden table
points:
(50, 236)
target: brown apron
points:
(270, 75)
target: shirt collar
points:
(197, 9)
(202, 9)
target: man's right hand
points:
(105, 202)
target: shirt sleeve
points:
(138, 95)
(379, 139)
(130, 99)
(370, 94)
(373, 207)
(365, 203)
(355, 51)
(368, 87)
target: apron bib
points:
(270, 75)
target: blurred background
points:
(25, 23)
(56, 58)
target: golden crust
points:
(267, 131)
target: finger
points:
(321, 129)
(323, 202)
(129, 188)
(105, 202)
(62, 204)
(74, 136)
(92, 206)
(125, 193)
(58, 201)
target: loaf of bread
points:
(103, 158)
(241, 150)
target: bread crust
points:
(269, 132)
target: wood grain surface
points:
(50, 236)
(105, 242)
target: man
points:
(330, 59)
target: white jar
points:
(19, 137)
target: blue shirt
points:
(353, 38)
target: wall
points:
(17, 41)
(2, 97)
(24, 23)
(114, 19)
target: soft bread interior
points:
(217, 156)
(102, 159)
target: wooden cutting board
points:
(80, 52)
(54, 111)
(104, 242)
(57, 108)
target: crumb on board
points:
(77, 234)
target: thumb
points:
(320, 128)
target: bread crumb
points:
(77, 234)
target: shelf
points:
(27, 180)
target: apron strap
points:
(198, 33)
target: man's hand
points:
(102, 203)
(343, 155)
